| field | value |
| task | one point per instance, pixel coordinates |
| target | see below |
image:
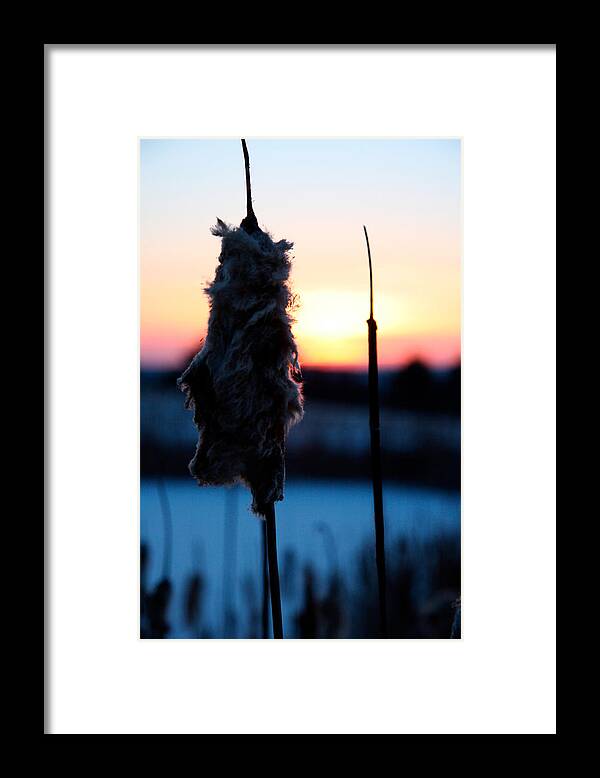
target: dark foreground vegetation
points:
(423, 589)
(420, 424)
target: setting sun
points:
(331, 326)
(332, 314)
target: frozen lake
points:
(321, 523)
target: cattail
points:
(156, 601)
(243, 385)
(376, 476)
(192, 602)
(157, 605)
(193, 596)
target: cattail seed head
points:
(243, 384)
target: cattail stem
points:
(249, 224)
(265, 581)
(249, 209)
(376, 474)
(273, 572)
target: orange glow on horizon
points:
(329, 326)
(171, 350)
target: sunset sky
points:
(318, 194)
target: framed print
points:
(301, 389)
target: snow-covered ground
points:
(320, 522)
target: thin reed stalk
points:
(376, 475)
(265, 580)
(273, 572)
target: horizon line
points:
(156, 368)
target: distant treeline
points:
(413, 388)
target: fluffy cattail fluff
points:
(243, 385)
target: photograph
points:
(300, 388)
